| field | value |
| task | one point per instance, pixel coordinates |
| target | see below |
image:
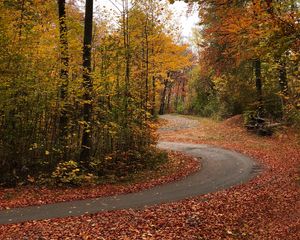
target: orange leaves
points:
(169, 56)
(244, 30)
(266, 208)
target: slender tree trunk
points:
(153, 96)
(177, 94)
(64, 72)
(126, 138)
(183, 90)
(86, 143)
(169, 98)
(147, 69)
(163, 98)
(127, 56)
(283, 84)
(283, 79)
(258, 84)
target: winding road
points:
(220, 169)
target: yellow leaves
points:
(67, 172)
(169, 56)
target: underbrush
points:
(117, 167)
(123, 166)
(174, 167)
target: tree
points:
(239, 35)
(72, 110)
(86, 143)
(64, 71)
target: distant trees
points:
(249, 50)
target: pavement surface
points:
(220, 169)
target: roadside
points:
(178, 167)
(265, 208)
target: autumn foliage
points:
(78, 91)
(248, 55)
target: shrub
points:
(120, 165)
(68, 173)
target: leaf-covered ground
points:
(268, 207)
(178, 167)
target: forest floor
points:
(267, 207)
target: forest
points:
(79, 92)
(248, 60)
(149, 119)
(81, 89)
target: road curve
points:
(220, 169)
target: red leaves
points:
(265, 208)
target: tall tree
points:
(126, 42)
(86, 143)
(64, 70)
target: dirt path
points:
(220, 169)
(176, 122)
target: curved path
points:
(220, 169)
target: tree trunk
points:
(163, 99)
(177, 95)
(169, 98)
(283, 84)
(86, 144)
(153, 96)
(126, 40)
(64, 72)
(283, 79)
(258, 84)
(183, 94)
(147, 68)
